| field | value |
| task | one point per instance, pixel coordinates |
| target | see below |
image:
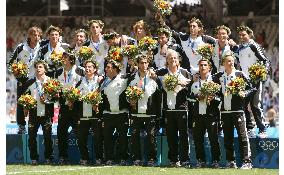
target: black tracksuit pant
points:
(255, 101)
(120, 122)
(147, 123)
(176, 121)
(231, 120)
(46, 124)
(201, 123)
(84, 126)
(66, 119)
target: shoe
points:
(34, 162)
(262, 134)
(251, 133)
(172, 164)
(84, 162)
(185, 164)
(178, 164)
(62, 161)
(151, 163)
(22, 129)
(137, 163)
(231, 164)
(246, 166)
(109, 163)
(215, 164)
(48, 161)
(98, 162)
(200, 164)
(123, 163)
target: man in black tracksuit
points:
(41, 115)
(26, 52)
(249, 52)
(67, 114)
(175, 108)
(232, 113)
(145, 112)
(205, 117)
(115, 113)
(89, 117)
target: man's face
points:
(40, 70)
(140, 31)
(194, 29)
(109, 70)
(143, 65)
(222, 35)
(229, 63)
(172, 60)
(66, 60)
(90, 68)
(95, 29)
(113, 42)
(54, 36)
(80, 38)
(34, 37)
(163, 39)
(204, 67)
(244, 36)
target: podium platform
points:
(265, 152)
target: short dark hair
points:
(205, 59)
(45, 65)
(71, 55)
(246, 29)
(116, 65)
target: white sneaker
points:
(246, 166)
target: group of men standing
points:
(178, 111)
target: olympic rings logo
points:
(268, 145)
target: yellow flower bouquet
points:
(52, 88)
(257, 72)
(130, 51)
(205, 50)
(71, 94)
(94, 98)
(115, 54)
(170, 82)
(20, 69)
(147, 43)
(236, 86)
(56, 58)
(134, 93)
(163, 7)
(209, 89)
(27, 101)
(85, 53)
